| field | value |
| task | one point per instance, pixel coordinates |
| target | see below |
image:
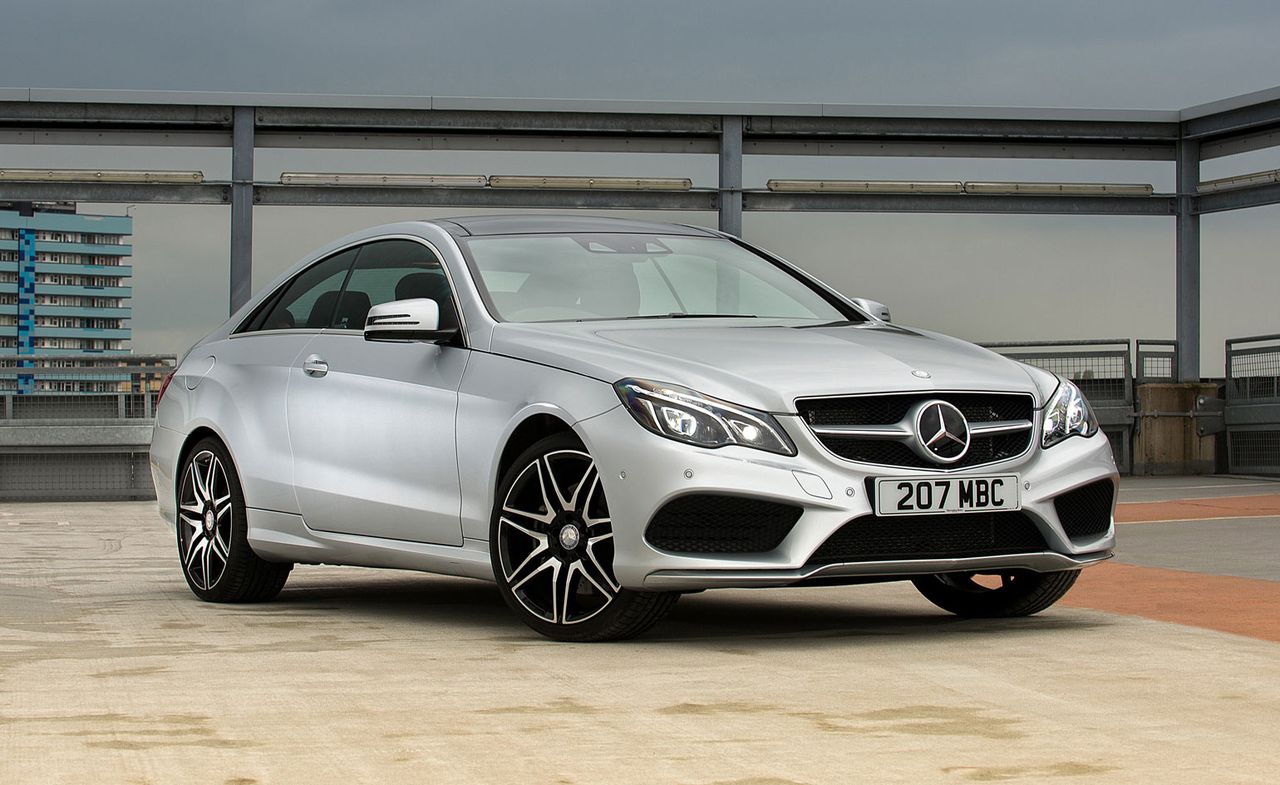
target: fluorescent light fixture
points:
(1062, 189)
(1240, 181)
(593, 183)
(867, 186)
(97, 176)
(409, 180)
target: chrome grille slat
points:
(875, 428)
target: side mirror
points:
(406, 320)
(876, 309)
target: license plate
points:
(902, 496)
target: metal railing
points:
(1155, 361)
(77, 427)
(1253, 404)
(1102, 369)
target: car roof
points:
(481, 225)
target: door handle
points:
(314, 366)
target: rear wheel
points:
(213, 545)
(1013, 593)
(551, 544)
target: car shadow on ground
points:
(764, 617)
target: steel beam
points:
(1239, 143)
(767, 201)
(1233, 121)
(1187, 275)
(116, 193)
(116, 138)
(1239, 198)
(730, 205)
(375, 196)
(959, 129)
(241, 208)
(455, 121)
(936, 148)
(364, 140)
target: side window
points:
(308, 301)
(389, 270)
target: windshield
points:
(543, 278)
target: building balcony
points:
(114, 270)
(81, 290)
(49, 246)
(84, 311)
(88, 333)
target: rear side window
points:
(309, 300)
(388, 270)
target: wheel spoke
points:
(194, 548)
(561, 581)
(209, 477)
(591, 497)
(533, 565)
(197, 484)
(222, 506)
(586, 485)
(601, 580)
(565, 503)
(220, 548)
(541, 517)
(208, 568)
(536, 536)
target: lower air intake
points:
(713, 523)
(877, 538)
(1085, 513)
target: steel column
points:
(1187, 279)
(241, 207)
(731, 175)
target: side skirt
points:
(279, 536)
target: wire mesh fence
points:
(42, 394)
(1253, 404)
(1155, 361)
(1100, 368)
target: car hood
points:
(764, 364)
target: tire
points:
(553, 556)
(213, 543)
(1021, 592)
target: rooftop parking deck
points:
(1161, 666)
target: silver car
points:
(600, 415)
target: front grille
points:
(1086, 511)
(714, 523)
(881, 538)
(892, 409)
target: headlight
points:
(1068, 414)
(687, 416)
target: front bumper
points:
(641, 472)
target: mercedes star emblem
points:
(942, 432)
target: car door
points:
(372, 424)
(254, 368)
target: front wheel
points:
(213, 544)
(1013, 593)
(551, 544)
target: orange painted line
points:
(1260, 506)
(1241, 606)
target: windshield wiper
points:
(683, 315)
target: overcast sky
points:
(1159, 55)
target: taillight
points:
(164, 385)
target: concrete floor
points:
(111, 672)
